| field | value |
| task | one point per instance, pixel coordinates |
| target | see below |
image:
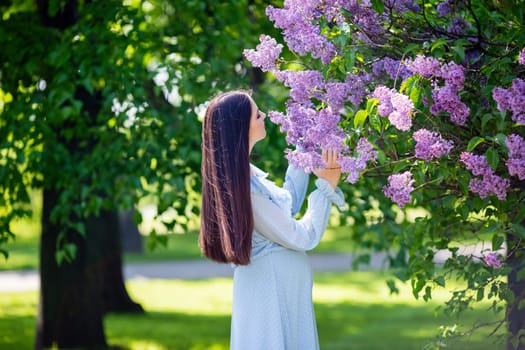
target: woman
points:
(248, 221)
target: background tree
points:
(99, 103)
(424, 100)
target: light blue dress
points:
(272, 296)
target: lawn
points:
(354, 311)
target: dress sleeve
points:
(296, 182)
(303, 234)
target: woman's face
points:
(257, 129)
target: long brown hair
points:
(226, 212)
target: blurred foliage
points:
(145, 70)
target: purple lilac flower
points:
(303, 84)
(458, 26)
(521, 58)
(307, 160)
(477, 164)
(365, 150)
(401, 116)
(357, 85)
(492, 259)
(453, 75)
(516, 162)
(425, 66)
(430, 145)
(324, 130)
(265, 54)
(444, 8)
(383, 94)
(353, 166)
(512, 99)
(399, 188)
(489, 183)
(302, 35)
(366, 18)
(396, 106)
(336, 94)
(447, 100)
(502, 98)
(393, 68)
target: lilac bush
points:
(425, 102)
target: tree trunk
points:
(75, 295)
(515, 315)
(114, 293)
(129, 232)
(71, 307)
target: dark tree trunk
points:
(129, 232)
(114, 294)
(75, 295)
(515, 315)
(71, 306)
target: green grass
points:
(354, 311)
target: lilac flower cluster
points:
(396, 106)
(399, 188)
(364, 17)
(446, 97)
(444, 8)
(516, 161)
(355, 166)
(492, 259)
(297, 20)
(490, 183)
(458, 26)
(393, 68)
(425, 66)
(265, 54)
(303, 84)
(512, 99)
(431, 145)
(521, 57)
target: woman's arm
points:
(304, 234)
(296, 182)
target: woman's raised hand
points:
(332, 171)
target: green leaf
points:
(59, 256)
(371, 104)
(375, 121)
(492, 158)
(70, 250)
(360, 118)
(460, 52)
(410, 48)
(474, 142)
(378, 6)
(497, 241)
(520, 275)
(518, 229)
(485, 119)
(392, 286)
(440, 280)
(480, 294)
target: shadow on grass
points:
(345, 326)
(356, 326)
(354, 311)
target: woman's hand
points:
(332, 171)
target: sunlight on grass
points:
(202, 297)
(354, 311)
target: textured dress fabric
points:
(272, 296)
